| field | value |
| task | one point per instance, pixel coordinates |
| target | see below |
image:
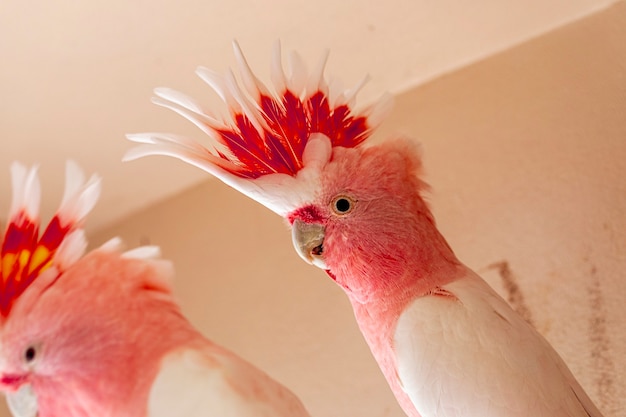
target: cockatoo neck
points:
(417, 269)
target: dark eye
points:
(30, 353)
(342, 205)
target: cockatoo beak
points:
(21, 398)
(23, 402)
(308, 240)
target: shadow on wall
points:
(596, 330)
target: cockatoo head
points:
(75, 330)
(300, 152)
(30, 264)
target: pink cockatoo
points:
(102, 335)
(448, 345)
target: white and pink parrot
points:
(448, 345)
(102, 335)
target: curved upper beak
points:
(308, 240)
(11, 382)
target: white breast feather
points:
(476, 357)
(193, 383)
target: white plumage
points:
(201, 383)
(470, 355)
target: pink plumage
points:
(447, 344)
(101, 335)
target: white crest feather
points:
(169, 145)
(115, 244)
(297, 74)
(378, 111)
(317, 82)
(71, 249)
(26, 190)
(245, 105)
(80, 197)
(143, 252)
(181, 99)
(253, 85)
(277, 72)
(218, 83)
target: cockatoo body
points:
(102, 335)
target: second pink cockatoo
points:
(102, 335)
(448, 345)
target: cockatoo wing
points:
(464, 352)
(204, 383)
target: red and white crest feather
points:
(24, 253)
(273, 142)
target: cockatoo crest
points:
(25, 254)
(268, 135)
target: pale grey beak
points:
(308, 239)
(23, 402)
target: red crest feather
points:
(267, 132)
(24, 254)
(289, 121)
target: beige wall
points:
(526, 153)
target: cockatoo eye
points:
(342, 205)
(30, 354)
